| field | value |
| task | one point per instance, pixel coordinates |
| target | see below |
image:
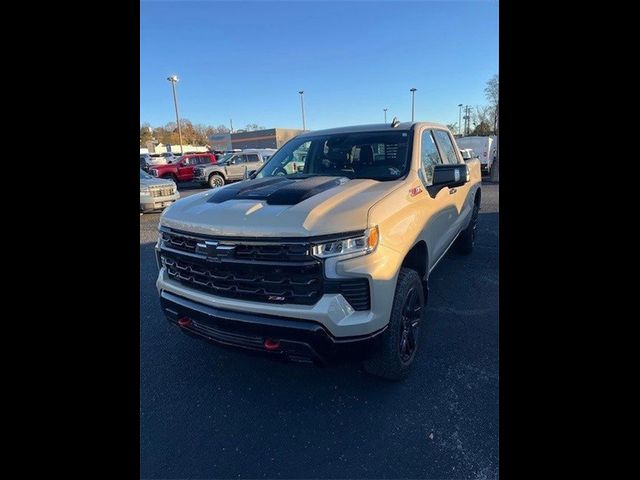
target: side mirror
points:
(450, 176)
(249, 174)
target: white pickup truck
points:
(328, 260)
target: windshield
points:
(144, 175)
(374, 155)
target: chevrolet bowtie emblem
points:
(213, 250)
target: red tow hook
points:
(271, 345)
(184, 322)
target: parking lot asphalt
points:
(209, 412)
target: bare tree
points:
(491, 93)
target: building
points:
(269, 138)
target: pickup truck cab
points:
(328, 260)
(231, 167)
(182, 169)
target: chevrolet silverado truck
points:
(329, 261)
(232, 167)
(182, 169)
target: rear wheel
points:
(400, 340)
(467, 238)
(216, 180)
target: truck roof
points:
(373, 127)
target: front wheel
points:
(399, 342)
(216, 180)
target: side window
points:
(446, 147)
(252, 158)
(241, 159)
(429, 155)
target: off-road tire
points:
(216, 180)
(467, 238)
(387, 361)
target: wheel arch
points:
(417, 258)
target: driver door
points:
(185, 169)
(235, 169)
(439, 232)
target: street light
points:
(385, 114)
(459, 118)
(413, 102)
(301, 92)
(174, 79)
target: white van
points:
(483, 148)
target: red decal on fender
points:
(415, 191)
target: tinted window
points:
(444, 141)
(429, 155)
(376, 155)
(252, 158)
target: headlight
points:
(353, 246)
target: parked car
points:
(326, 263)
(232, 167)
(182, 169)
(483, 147)
(163, 158)
(156, 194)
(145, 160)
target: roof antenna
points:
(395, 122)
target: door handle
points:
(452, 191)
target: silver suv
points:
(232, 167)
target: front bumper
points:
(294, 340)
(149, 203)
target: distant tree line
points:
(197, 134)
(484, 119)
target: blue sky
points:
(247, 60)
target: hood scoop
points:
(278, 190)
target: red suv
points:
(182, 170)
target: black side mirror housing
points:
(448, 176)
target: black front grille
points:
(297, 284)
(261, 271)
(280, 252)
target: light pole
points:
(385, 114)
(459, 118)
(174, 79)
(413, 102)
(301, 92)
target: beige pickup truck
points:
(328, 260)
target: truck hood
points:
(155, 182)
(279, 207)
